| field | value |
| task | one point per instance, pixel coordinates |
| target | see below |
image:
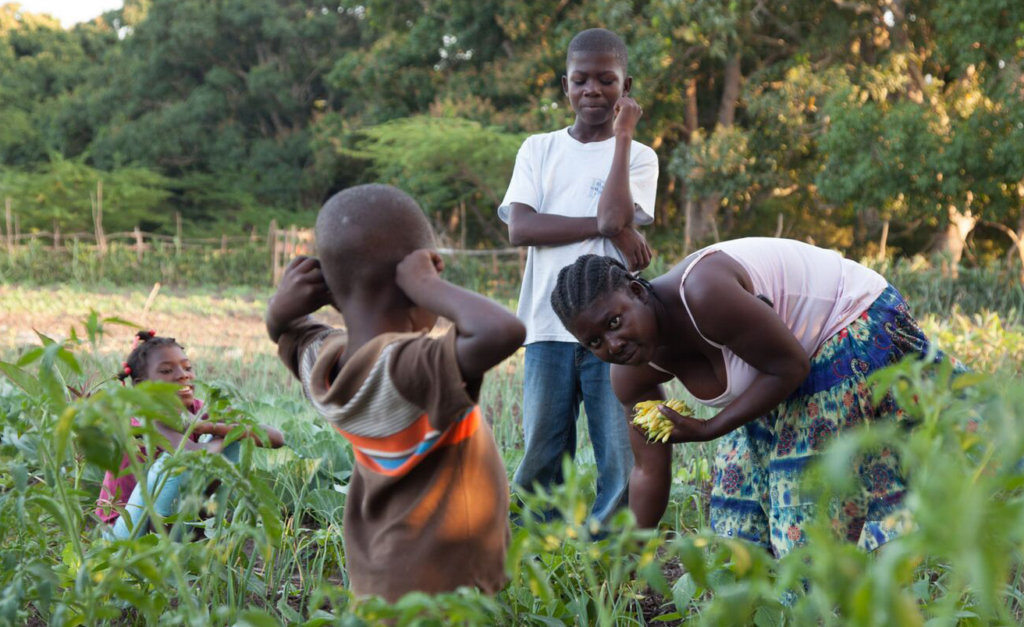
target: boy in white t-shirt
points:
(581, 189)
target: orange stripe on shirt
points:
(405, 440)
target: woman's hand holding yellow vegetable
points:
(668, 421)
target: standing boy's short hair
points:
(364, 231)
(600, 40)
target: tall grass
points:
(992, 287)
(269, 548)
(40, 264)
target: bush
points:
(272, 551)
(36, 263)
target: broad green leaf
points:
(62, 433)
(22, 379)
(683, 592)
(256, 618)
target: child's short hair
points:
(599, 40)
(137, 362)
(364, 231)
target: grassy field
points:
(271, 551)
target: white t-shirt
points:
(557, 174)
(815, 291)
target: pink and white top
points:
(815, 291)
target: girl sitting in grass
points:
(121, 500)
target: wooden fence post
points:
(272, 245)
(56, 235)
(177, 233)
(462, 224)
(10, 235)
(97, 220)
(138, 244)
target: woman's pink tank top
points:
(815, 291)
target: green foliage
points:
(862, 136)
(719, 164)
(498, 276)
(39, 64)
(226, 89)
(830, 116)
(975, 291)
(445, 164)
(64, 192)
(60, 569)
(270, 551)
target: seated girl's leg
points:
(163, 489)
(232, 451)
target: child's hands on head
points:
(301, 292)
(417, 276)
(418, 266)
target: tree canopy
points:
(828, 121)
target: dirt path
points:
(230, 323)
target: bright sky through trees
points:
(70, 12)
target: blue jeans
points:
(163, 490)
(557, 377)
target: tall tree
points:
(456, 168)
(40, 63)
(920, 132)
(227, 88)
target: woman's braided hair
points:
(583, 281)
(136, 364)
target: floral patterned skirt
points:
(757, 490)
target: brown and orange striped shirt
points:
(427, 506)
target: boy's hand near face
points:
(627, 114)
(301, 292)
(616, 208)
(634, 248)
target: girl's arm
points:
(178, 440)
(487, 333)
(650, 480)
(173, 437)
(275, 439)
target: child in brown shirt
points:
(427, 506)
